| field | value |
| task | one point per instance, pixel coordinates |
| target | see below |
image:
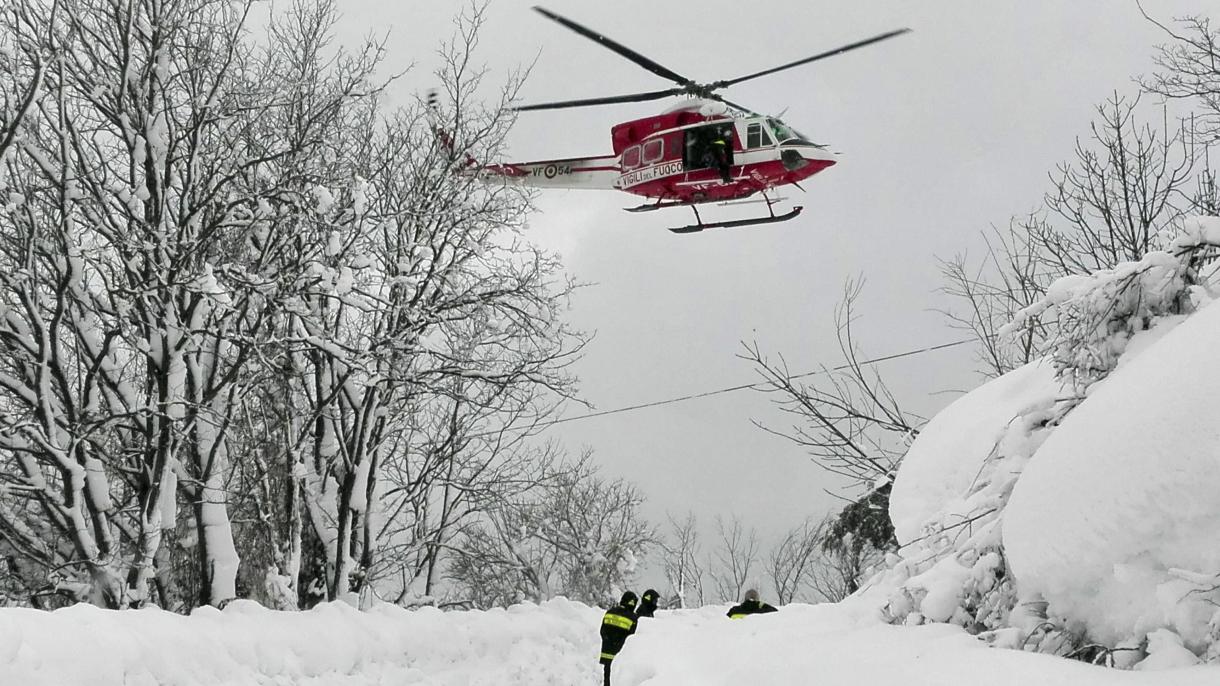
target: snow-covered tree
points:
(467, 451)
(419, 288)
(140, 270)
(577, 534)
(236, 281)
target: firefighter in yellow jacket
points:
(617, 624)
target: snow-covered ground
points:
(554, 644)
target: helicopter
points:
(705, 149)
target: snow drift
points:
(945, 460)
(553, 644)
(1125, 491)
(246, 644)
(1070, 505)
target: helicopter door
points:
(700, 146)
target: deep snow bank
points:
(1078, 516)
(549, 645)
(948, 499)
(846, 645)
(1126, 490)
(554, 644)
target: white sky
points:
(943, 132)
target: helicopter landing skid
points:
(656, 206)
(773, 219)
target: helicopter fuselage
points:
(668, 157)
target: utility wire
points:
(731, 389)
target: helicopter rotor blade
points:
(608, 100)
(819, 56)
(614, 46)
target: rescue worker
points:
(648, 603)
(718, 151)
(617, 624)
(750, 605)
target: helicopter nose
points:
(792, 159)
(795, 157)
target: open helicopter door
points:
(699, 145)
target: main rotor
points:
(685, 86)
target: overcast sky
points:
(942, 132)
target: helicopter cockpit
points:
(769, 131)
(786, 134)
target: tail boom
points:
(574, 172)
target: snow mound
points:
(1113, 521)
(947, 456)
(553, 644)
(845, 645)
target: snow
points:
(552, 644)
(360, 192)
(359, 500)
(1165, 651)
(324, 198)
(946, 457)
(1124, 491)
(167, 501)
(841, 645)
(1095, 315)
(942, 586)
(555, 643)
(1197, 231)
(97, 483)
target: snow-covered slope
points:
(845, 645)
(550, 645)
(1126, 490)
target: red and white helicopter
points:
(705, 149)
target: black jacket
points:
(749, 607)
(617, 624)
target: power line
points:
(731, 389)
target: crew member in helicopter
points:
(716, 155)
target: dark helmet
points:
(629, 599)
(651, 595)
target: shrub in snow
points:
(1097, 314)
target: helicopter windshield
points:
(786, 134)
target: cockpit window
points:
(784, 134)
(756, 136)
